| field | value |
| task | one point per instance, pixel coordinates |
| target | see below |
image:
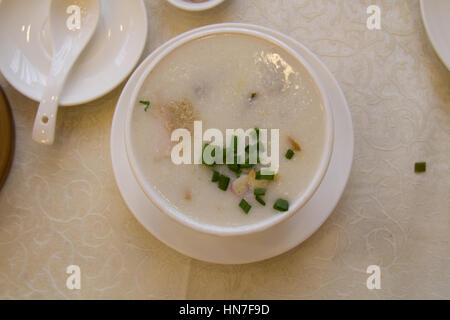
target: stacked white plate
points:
(245, 248)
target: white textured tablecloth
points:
(61, 206)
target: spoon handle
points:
(45, 121)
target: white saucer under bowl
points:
(108, 59)
(436, 18)
(253, 247)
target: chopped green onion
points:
(256, 147)
(420, 167)
(247, 164)
(218, 150)
(224, 181)
(259, 176)
(203, 155)
(289, 154)
(216, 176)
(225, 152)
(235, 143)
(281, 205)
(260, 200)
(257, 133)
(213, 154)
(236, 168)
(146, 103)
(259, 192)
(245, 206)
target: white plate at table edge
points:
(254, 247)
(431, 23)
(90, 87)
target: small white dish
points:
(258, 246)
(172, 211)
(436, 19)
(108, 59)
(195, 6)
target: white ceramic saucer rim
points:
(118, 75)
(250, 248)
(426, 8)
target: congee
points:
(229, 81)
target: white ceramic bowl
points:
(212, 229)
(192, 6)
(110, 56)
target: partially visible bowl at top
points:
(229, 78)
(195, 5)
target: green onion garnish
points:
(289, 154)
(235, 143)
(281, 205)
(247, 164)
(245, 206)
(260, 200)
(420, 167)
(236, 168)
(146, 103)
(257, 150)
(259, 176)
(213, 154)
(259, 192)
(224, 154)
(216, 176)
(224, 181)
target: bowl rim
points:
(192, 6)
(264, 224)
